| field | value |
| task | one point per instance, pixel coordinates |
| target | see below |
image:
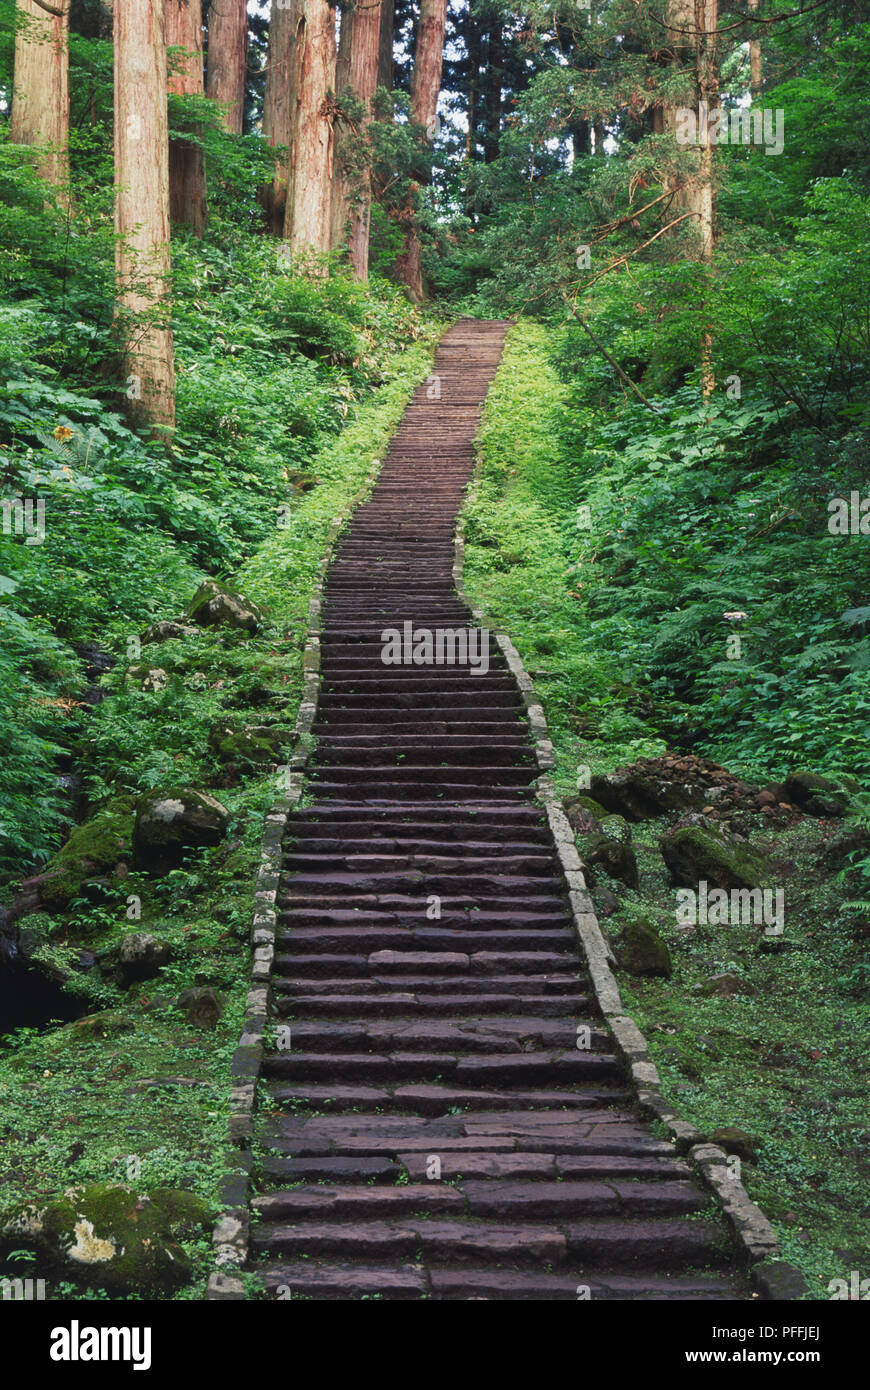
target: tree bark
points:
(352, 189)
(40, 95)
(187, 190)
(425, 87)
(492, 99)
(692, 37)
(307, 217)
(385, 56)
(278, 105)
(703, 192)
(142, 262)
(227, 59)
(473, 45)
(755, 70)
(472, 100)
(682, 51)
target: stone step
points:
(320, 1279)
(490, 1035)
(497, 1199)
(617, 1244)
(332, 965)
(534, 866)
(581, 1133)
(538, 1068)
(405, 1003)
(309, 940)
(408, 882)
(518, 988)
(363, 910)
(431, 1097)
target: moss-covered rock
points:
(302, 482)
(167, 631)
(144, 677)
(615, 857)
(107, 1024)
(202, 1006)
(643, 793)
(696, 854)
(96, 851)
(846, 848)
(726, 984)
(584, 815)
(214, 606)
(816, 795)
(107, 1236)
(641, 951)
(172, 822)
(616, 828)
(737, 1141)
(141, 956)
(248, 746)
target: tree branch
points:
(50, 9)
(612, 360)
(620, 260)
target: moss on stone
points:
(641, 951)
(92, 851)
(696, 854)
(108, 1236)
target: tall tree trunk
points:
(40, 94)
(755, 72)
(692, 39)
(307, 218)
(278, 105)
(473, 45)
(142, 211)
(227, 59)
(472, 100)
(682, 56)
(702, 190)
(187, 191)
(425, 87)
(352, 189)
(492, 99)
(385, 55)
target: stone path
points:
(434, 1130)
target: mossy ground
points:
(787, 1062)
(151, 1101)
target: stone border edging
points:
(752, 1233)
